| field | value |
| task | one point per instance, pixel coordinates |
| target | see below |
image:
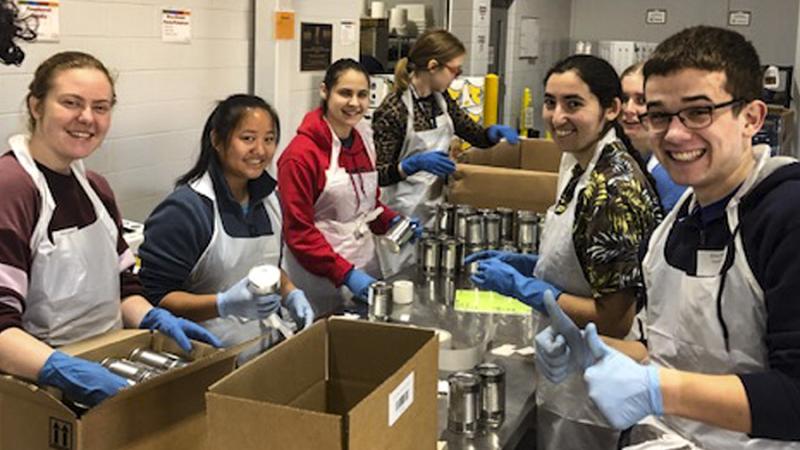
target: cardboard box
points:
(522, 176)
(340, 385)
(167, 412)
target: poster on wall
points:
(176, 25)
(45, 17)
(316, 45)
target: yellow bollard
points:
(491, 90)
(525, 113)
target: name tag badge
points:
(710, 262)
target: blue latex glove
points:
(624, 390)
(239, 301)
(496, 132)
(495, 275)
(80, 380)
(300, 309)
(522, 262)
(435, 162)
(179, 329)
(358, 282)
(561, 349)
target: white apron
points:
(571, 419)
(74, 287)
(418, 194)
(686, 333)
(227, 259)
(342, 214)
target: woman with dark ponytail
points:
(588, 252)
(222, 220)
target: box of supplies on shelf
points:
(164, 412)
(340, 385)
(522, 176)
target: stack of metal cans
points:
(143, 364)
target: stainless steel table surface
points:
(433, 307)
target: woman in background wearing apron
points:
(589, 247)
(222, 220)
(65, 271)
(330, 194)
(413, 129)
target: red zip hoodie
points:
(301, 179)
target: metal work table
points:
(433, 307)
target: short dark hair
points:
(335, 72)
(711, 49)
(222, 122)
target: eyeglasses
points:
(455, 71)
(693, 117)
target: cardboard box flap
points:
(541, 155)
(24, 391)
(230, 422)
(283, 373)
(490, 187)
(351, 356)
(501, 155)
(402, 402)
(87, 345)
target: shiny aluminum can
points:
(445, 216)
(508, 246)
(491, 223)
(460, 222)
(158, 360)
(493, 394)
(130, 370)
(475, 230)
(506, 223)
(452, 257)
(430, 251)
(472, 268)
(379, 299)
(527, 229)
(464, 403)
(398, 235)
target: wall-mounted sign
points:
(656, 16)
(176, 25)
(316, 45)
(739, 18)
(45, 16)
(284, 25)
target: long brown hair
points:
(437, 44)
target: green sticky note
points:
(473, 300)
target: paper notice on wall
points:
(176, 25)
(43, 16)
(348, 33)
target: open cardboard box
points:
(522, 176)
(340, 385)
(167, 412)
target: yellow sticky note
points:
(284, 25)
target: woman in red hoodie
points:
(329, 194)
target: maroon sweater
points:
(301, 179)
(20, 205)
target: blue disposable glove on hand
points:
(435, 162)
(561, 349)
(179, 329)
(496, 132)
(524, 263)
(80, 380)
(624, 390)
(418, 228)
(300, 309)
(239, 301)
(495, 275)
(358, 282)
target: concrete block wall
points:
(470, 20)
(165, 90)
(554, 37)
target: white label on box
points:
(401, 398)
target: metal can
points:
(464, 403)
(506, 223)
(527, 232)
(264, 279)
(157, 360)
(493, 394)
(508, 246)
(475, 231)
(379, 298)
(129, 369)
(472, 268)
(450, 263)
(398, 235)
(492, 226)
(460, 222)
(431, 249)
(444, 218)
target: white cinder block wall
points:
(165, 91)
(469, 21)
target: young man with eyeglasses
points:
(721, 367)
